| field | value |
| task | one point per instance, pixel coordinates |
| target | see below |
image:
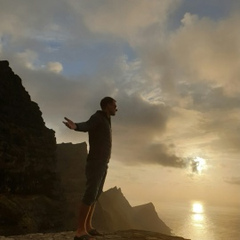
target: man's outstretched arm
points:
(83, 126)
(70, 124)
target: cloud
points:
(28, 59)
(138, 113)
(207, 51)
(164, 155)
(174, 86)
(233, 180)
(206, 98)
(55, 67)
(225, 125)
(135, 125)
(122, 19)
(26, 19)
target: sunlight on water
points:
(199, 223)
(198, 220)
(197, 207)
(197, 217)
(196, 225)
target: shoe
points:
(94, 232)
(84, 237)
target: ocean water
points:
(199, 221)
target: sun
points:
(198, 165)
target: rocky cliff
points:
(29, 185)
(27, 146)
(122, 216)
(71, 160)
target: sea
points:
(200, 221)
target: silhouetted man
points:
(100, 143)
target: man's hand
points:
(70, 124)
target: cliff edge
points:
(118, 235)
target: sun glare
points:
(197, 214)
(197, 208)
(198, 165)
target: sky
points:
(172, 66)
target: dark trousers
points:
(96, 172)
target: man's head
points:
(109, 106)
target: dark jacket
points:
(100, 136)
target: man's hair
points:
(105, 101)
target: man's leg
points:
(90, 229)
(89, 226)
(95, 176)
(82, 217)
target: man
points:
(100, 143)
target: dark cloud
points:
(233, 180)
(164, 155)
(207, 98)
(135, 112)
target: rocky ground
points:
(119, 235)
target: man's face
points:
(112, 108)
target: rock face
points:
(71, 160)
(28, 177)
(147, 218)
(27, 146)
(120, 215)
